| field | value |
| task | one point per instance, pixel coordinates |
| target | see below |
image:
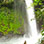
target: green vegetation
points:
(39, 13)
(38, 10)
(6, 1)
(37, 2)
(11, 20)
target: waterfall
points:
(30, 16)
(32, 23)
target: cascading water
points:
(33, 27)
(31, 15)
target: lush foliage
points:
(39, 10)
(6, 1)
(11, 20)
(36, 2)
(39, 13)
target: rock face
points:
(12, 15)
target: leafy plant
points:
(10, 21)
(39, 13)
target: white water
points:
(33, 27)
(31, 15)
